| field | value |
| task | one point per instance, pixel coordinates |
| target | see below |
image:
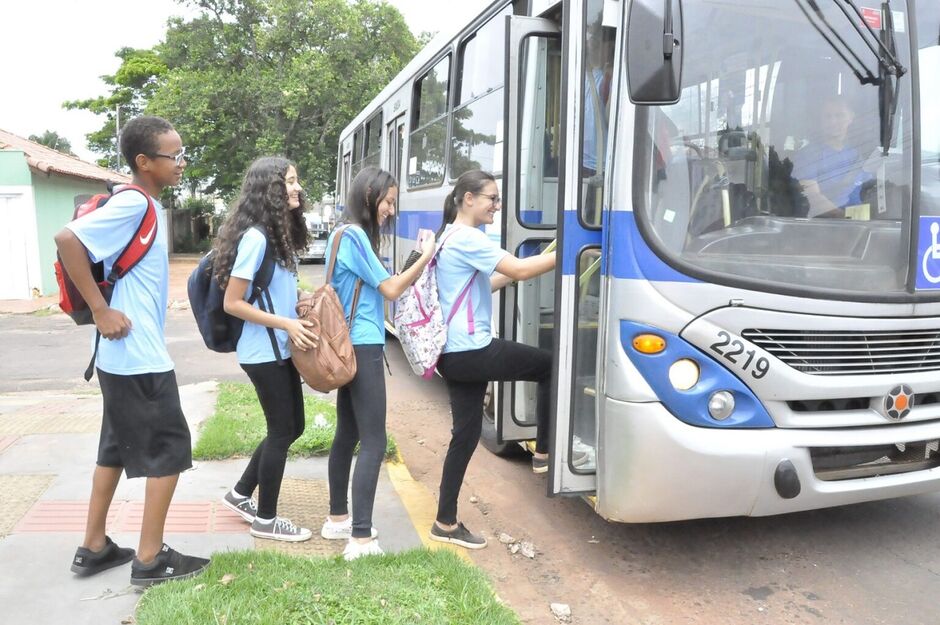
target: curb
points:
(420, 504)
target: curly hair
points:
(263, 202)
(368, 189)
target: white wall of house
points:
(20, 271)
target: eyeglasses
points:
(495, 199)
(176, 158)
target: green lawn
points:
(238, 426)
(248, 588)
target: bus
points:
(745, 198)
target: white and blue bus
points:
(746, 201)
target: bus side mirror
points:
(654, 51)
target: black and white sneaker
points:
(87, 562)
(280, 529)
(457, 536)
(245, 507)
(168, 564)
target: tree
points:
(131, 87)
(52, 139)
(254, 77)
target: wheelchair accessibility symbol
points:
(928, 249)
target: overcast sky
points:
(55, 50)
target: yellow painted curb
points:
(421, 506)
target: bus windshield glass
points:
(771, 171)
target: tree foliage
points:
(132, 86)
(248, 78)
(54, 140)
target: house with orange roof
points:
(39, 189)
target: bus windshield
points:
(771, 171)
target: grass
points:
(305, 285)
(254, 588)
(238, 426)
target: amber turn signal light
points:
(649, 343)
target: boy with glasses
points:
(143, 430)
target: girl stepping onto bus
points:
(470, 266)
(360, 405)
(269, 214)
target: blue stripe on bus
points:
(409, 222)
(631, 258)
(576, 238)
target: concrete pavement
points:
(48, 443)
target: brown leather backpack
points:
(332, 363)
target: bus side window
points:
(428, 144)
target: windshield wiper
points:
(890, 70)
(861, 71)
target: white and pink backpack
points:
(419, 319)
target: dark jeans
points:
(360, 418)
(281, 394)
(467, 375)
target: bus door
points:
(580, 306)
(533, 127)
(395, 144)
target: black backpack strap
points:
(90, 371)
(260, 292)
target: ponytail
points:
(450, 211)
(472, 181)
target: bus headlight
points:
(684, 374)
(721, 405)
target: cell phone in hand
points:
(412, 259)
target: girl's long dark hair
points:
(473, 181)
(263, 202)
(368, 189)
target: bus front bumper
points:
(653, 467)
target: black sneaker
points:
(458, 536)
(87, 562)
(168, 564)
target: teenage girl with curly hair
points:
(269, 214)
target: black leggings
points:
(360, 418)
(467, 375)
(281, 394)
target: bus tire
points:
(488, 436)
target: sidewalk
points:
(47, 449)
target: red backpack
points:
(70, 300)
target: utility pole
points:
(117, 133)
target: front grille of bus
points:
(833, 464)
(836, 352)
(840, 404)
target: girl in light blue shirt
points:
(268, 218)
(470, 267)
(360, 405)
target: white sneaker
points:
(280, 529)
(355, 549)
(340, 530)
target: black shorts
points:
(143, 428)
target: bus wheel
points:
(488, 438)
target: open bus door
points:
(532, 114)
(580, 308)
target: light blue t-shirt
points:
(354, 260)
(141, 294)
(465, 250)
(254, 345)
